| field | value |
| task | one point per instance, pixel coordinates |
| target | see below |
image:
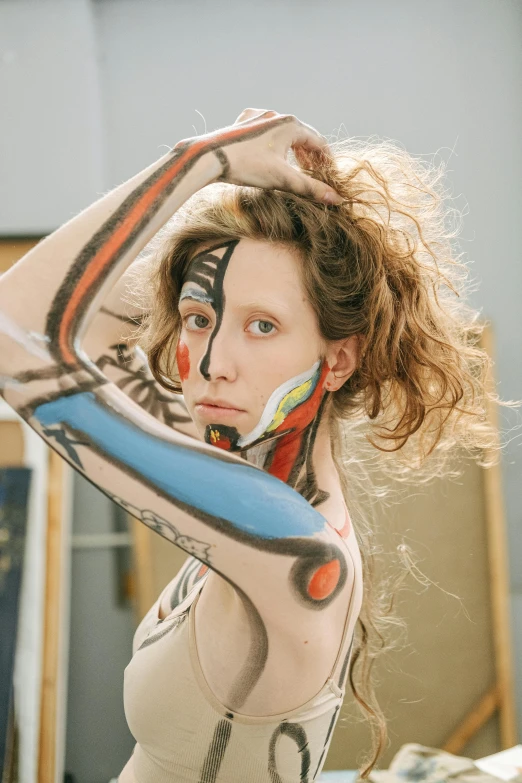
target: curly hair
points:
(383, 266)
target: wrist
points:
(213, 165)
(209, 164)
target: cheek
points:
(183, 360)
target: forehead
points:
(255, 269)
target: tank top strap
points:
(351, 548)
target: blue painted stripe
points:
(253, 501)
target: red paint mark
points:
(221, 442)
(325, 580)
(183, 360)
(288, 448)
(285, 454)
(203, 570)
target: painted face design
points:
(207, 272)
(278, 442)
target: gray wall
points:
(91, 92)
(98, 740)
(50, 115)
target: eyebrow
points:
(267, 305)
(194, 294)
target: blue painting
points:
(14, 495)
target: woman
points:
(284, 303)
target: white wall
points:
(91, 92)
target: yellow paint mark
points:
(288, 403)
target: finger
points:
(313, 159)
(309, 138)
(312, 151)
(249, 114)
(295, 181)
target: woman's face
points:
(249, 334)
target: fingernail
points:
(331, 197)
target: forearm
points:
(56, 288)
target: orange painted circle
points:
(324, 580)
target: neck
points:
(299, 458)
(291, 440)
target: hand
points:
(253, 151)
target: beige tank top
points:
(184, 734)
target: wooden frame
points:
(51, 756)
(501, 695)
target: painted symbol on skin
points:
(168, 530)
(67, 443)
(222, 437)
(139, 384)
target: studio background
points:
(92, 92)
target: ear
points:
(342, 357)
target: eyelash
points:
(257, 320)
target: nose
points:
(218, 361)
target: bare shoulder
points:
(219, 601)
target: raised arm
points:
(111, 344)
(264, 538)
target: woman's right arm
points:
(263, 537)
(111, 344)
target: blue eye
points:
(265, 327)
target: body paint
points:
(175, 471)
(183, 360)
(291, 408)
(82, 287)
(208, 270)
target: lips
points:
(217, 404)
(214, 414)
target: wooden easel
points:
(501, 695)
